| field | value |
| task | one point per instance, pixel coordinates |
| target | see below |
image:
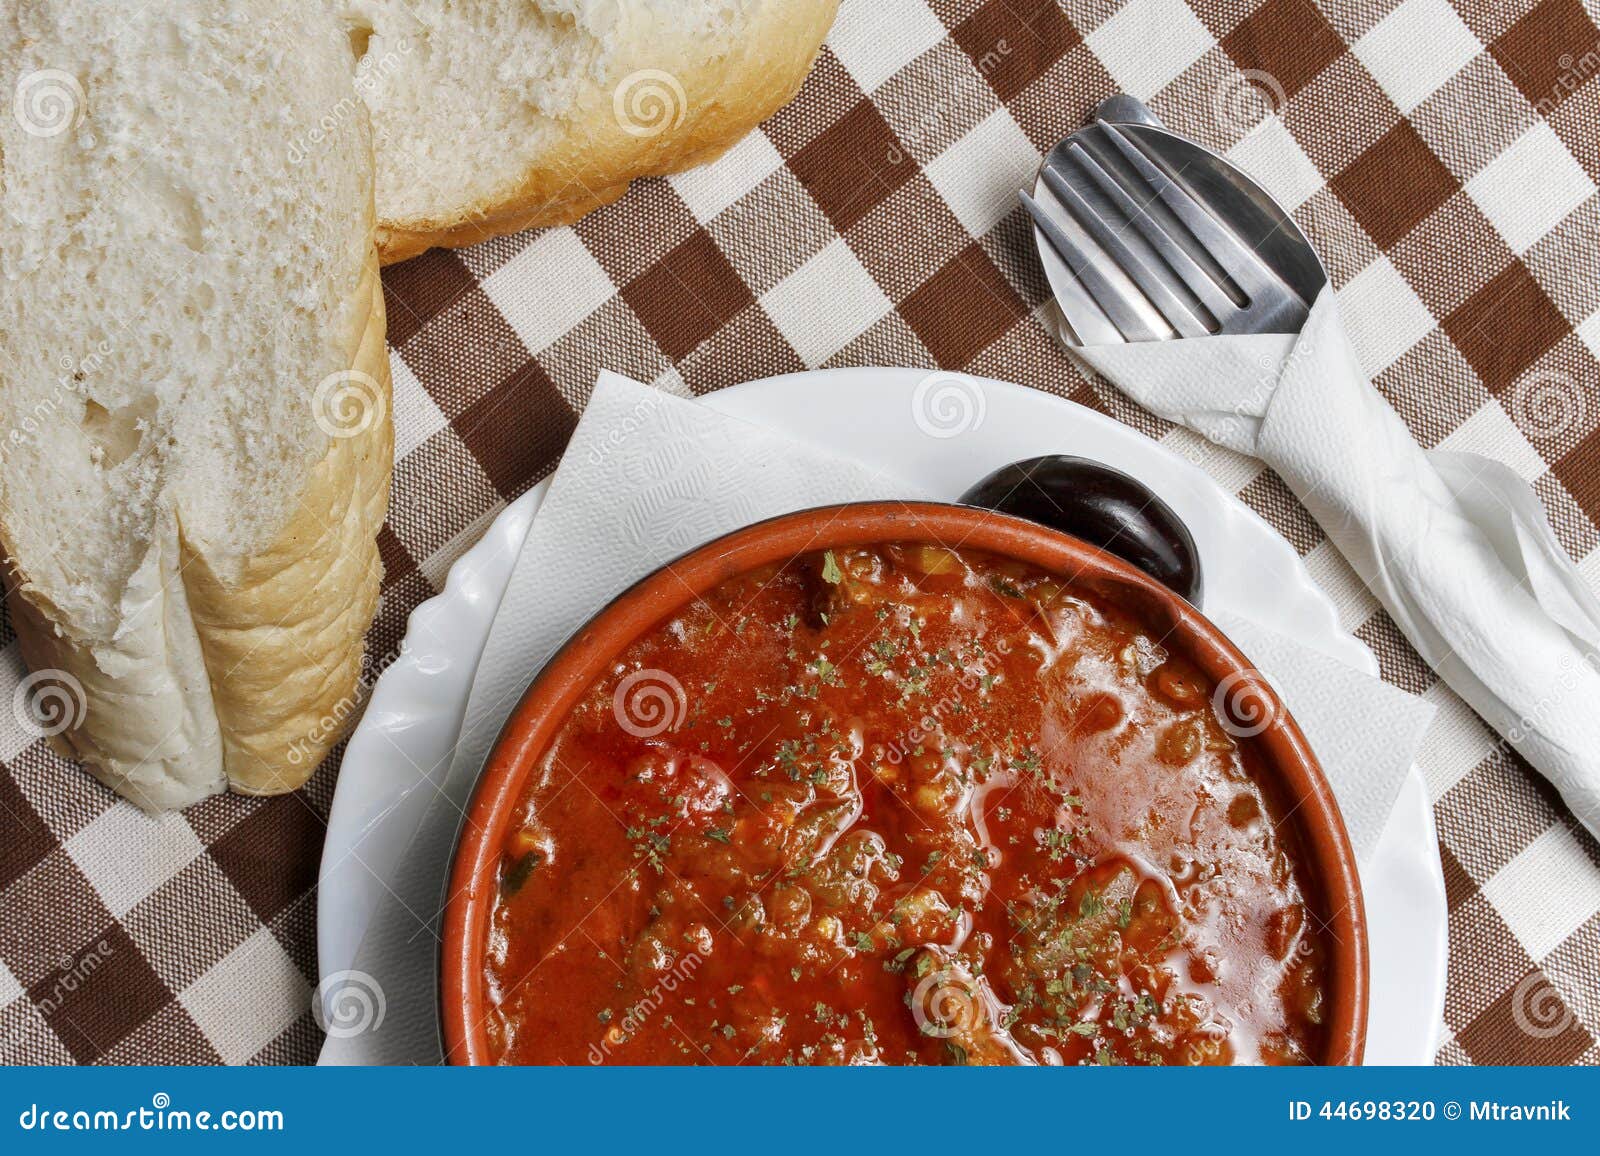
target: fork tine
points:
(1111, 299)
(1235, 258)
(1179, 314)
(1168, 248)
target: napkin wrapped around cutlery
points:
(1456, 546)
(646, 477)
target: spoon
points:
(1099, 505)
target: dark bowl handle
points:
(1099, 505)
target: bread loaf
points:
(490, 117)
(194, 390)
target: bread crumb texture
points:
(186, 257)
(489, 116)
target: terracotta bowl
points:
(1331, 867)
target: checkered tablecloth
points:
(1443, 156)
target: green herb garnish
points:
(517, 874)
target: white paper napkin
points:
(648, 476)
(1364, 731)
(1456, 546)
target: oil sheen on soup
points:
(902, 805)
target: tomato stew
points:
(902, 804)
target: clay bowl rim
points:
(655, 598)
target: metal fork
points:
(1118, 203)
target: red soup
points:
(902, 805)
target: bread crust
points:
(598, 158)
(242, 682)
(135, 709)
(283, 637)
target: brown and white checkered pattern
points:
(1442, 155)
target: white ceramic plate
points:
(410, 727)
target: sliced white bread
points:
(193, 386)
(489, 117)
